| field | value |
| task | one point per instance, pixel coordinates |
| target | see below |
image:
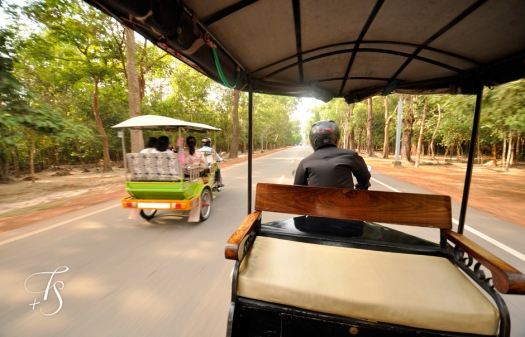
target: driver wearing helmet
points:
(207, 149)
(330, 166)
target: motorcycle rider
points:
(207, 149)
(330, 166)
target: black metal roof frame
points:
(468, 80)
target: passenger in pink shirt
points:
(194, 157)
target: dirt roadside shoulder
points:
(501, 194)
(493, 191)
(68, 193)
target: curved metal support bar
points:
(457, 256)
(367, 50)
(355, 78)
(406, 44)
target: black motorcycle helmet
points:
(324, 133)
(206, 142)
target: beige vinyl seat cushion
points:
(412, 290)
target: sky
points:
(3, 16)
(302, 112)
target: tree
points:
(351, 138)
(85, 34)
(431, 146)
(235, 121)
(137, 141)
(407, 130)
(504, 111)
(420, 138)
(369, 121)
(137, 65)
(13, 105)
(386, 133)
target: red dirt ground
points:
(499, 193)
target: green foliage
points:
(48, 71)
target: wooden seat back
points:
(424, 210)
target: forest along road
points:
(110, 276)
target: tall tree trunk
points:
(235, 120)
(137, 140)
(16, 163)
(495, 154)
(32, 156)
(77, 149)
(386, 140)
(504, 151)
(351, 135)
(421, 130)
(55, 157)
(480, 160)
(4, 178)
(509, 153)
(518, 147)
(369, 121)
(105, 147)
(6, 167)
(406, 143)
(435, 132)
(360, 137)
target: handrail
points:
(235, 245)
(506, 279)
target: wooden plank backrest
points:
(424, 210)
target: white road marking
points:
(474, 231)
(494, 242)
(55, 225)
(390, 187)
(280, 180)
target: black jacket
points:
(333, 167)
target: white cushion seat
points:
(417, 291)
(154, 166)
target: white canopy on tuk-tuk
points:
(153, 122)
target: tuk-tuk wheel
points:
(148, 214)
(206, 199)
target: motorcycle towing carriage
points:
(162, 181)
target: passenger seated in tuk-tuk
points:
(330, 166)
(150, 145)
(194, 157)
(162, 145)
(206, 148)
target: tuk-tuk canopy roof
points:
(338, 48)
(153, 122)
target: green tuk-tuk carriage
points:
(162, 181)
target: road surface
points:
(110, 276)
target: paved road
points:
(165, 277)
